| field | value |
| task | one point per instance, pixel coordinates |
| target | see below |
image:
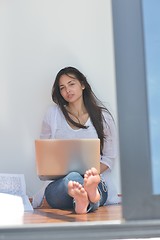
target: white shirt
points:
(55, 126)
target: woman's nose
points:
(67, 89)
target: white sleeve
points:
(110, 141)
(49, 123)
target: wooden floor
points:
(48, 224)
(44, 215)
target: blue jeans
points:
(56, 193)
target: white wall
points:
(37, 39)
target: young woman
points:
(77, 113)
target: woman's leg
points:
(80, 196)
(102, 187)
(60, 193)
(56, 192)
(91, 195)
(96, 189)
(91, 181)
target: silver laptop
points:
(57, 157)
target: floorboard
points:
(105, 213)
(48, 224)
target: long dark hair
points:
(93, 105)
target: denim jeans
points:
(56, 193)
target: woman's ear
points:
(83, 87)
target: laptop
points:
(55, 158)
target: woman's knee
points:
(75, 176)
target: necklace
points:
(79, 118)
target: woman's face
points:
(70, 88)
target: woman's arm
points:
(103, 167)
(49, 123)
(45, 131)
(110, 143)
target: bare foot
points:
(79, 194)
(91, 181)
